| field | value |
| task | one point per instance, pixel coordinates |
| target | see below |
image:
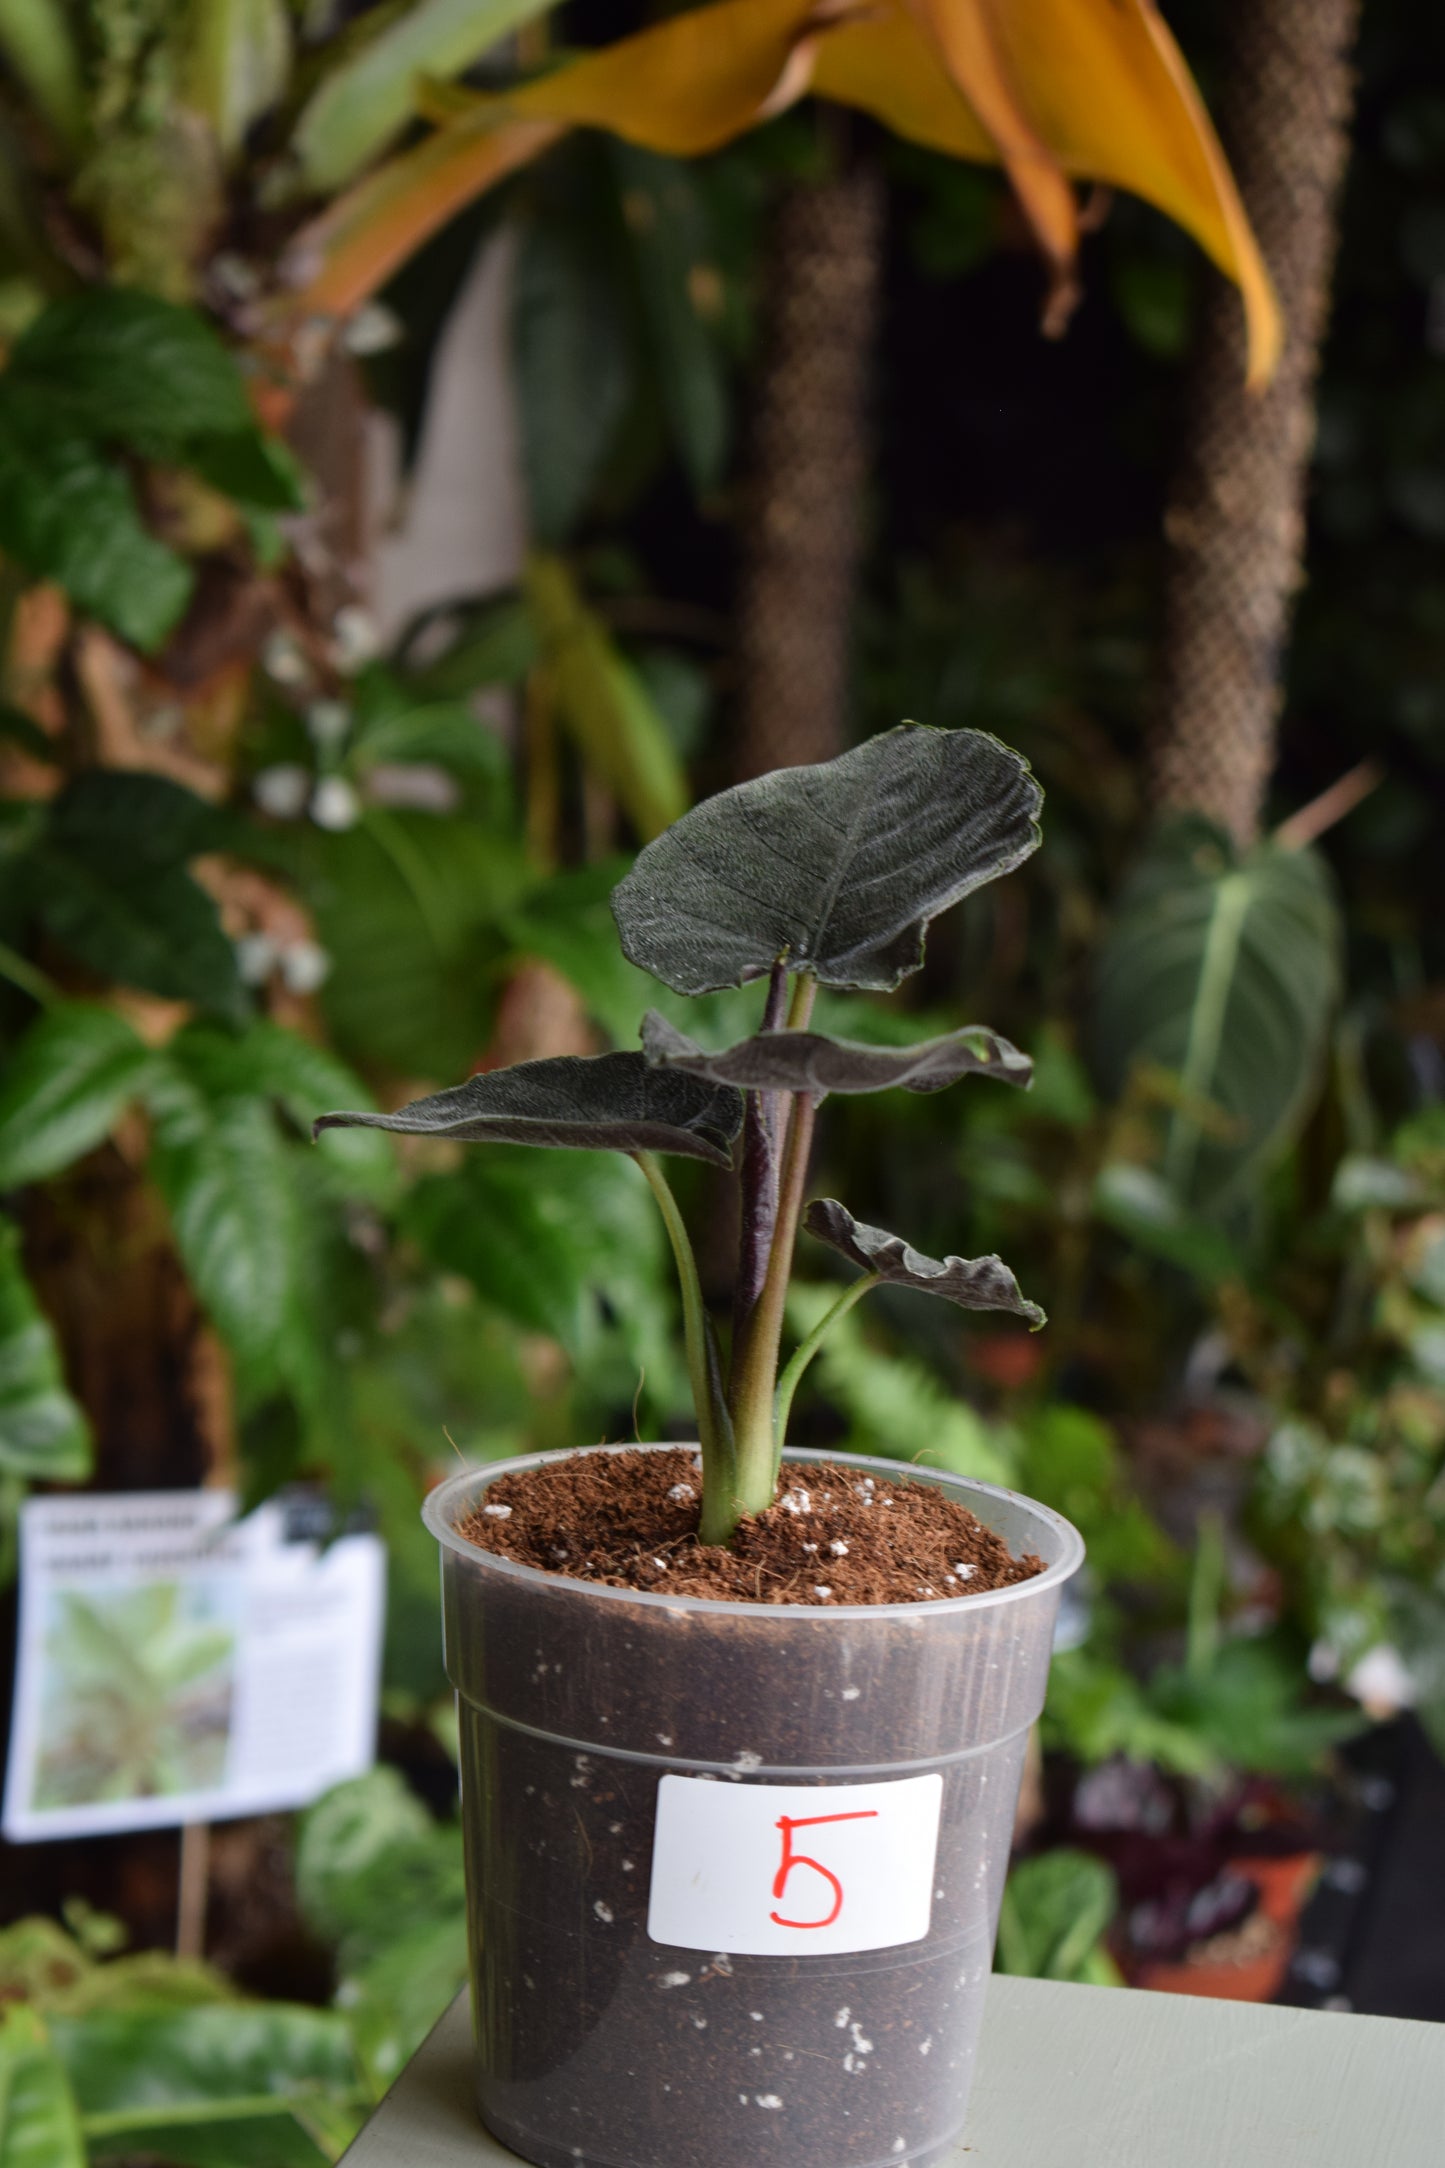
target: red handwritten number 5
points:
(787, 1823)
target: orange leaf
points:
(1096, 89)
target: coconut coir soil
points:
(834, 1537)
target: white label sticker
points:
(787, 1870)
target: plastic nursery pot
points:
(734, 1870)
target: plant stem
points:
(758, 1183)
(807, 1348)
(719, 1467)
(755, 1368)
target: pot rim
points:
(436, 1514)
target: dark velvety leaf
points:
(974, 1283)
(67, 513)
(232, 2086)
(43, 1434)
(598, 1102)
(127, 368)
(840, 868)
(65, 1086)
(809, 1061)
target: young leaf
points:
(839, 868)
(809, 1061)
(974, 1283)
(65, 1087)
(597, 1102)
(43, 1434)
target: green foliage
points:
(44, 1436)
(1071, 1460)
(1056, 1911)
(39, 2123)
(1222, 973)
(66, 1086)
(100, 374)
(377, 1876)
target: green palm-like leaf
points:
(809, 1061)
(838, 868)
(1221, 971)
(597, 1102)
(974, 1283)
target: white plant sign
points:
(175, 1664)
(793, 1870)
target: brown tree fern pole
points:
(1235, 523)
(810, 456)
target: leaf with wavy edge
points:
(840, 868)
(809, 1061)
(974, 1283)
(585, 1102)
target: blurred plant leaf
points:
(665, 217)
(109, 879)
(494, 643)
(572, 353)
(602, 701)
(395, 725)
(67, 514)
(1139, 1203)
(223, 1169)
(1052, 90)
(39, 2122)
(368, 96)
(239, 64)
(808, 1061)
(1056, 1911)
(65, 1086)
(596, 1102)
(572, 1248)
(43, 1434)
(123, 367)
(974, 1283)
(840, 868)
(1223, 971)
(233, 2086)
(278, 1064)
(1096, 1709)
(1071, 1460)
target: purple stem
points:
(759, 1183)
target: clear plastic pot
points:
(600, 2045)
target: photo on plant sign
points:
(138, 1686)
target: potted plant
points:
(742, 1727)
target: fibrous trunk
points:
(810, 464)
(1235, 523)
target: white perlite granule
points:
(674, 1979)
(603, 1911)
(498, 1513)
(767, 2100)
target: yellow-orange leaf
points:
(1053, 90)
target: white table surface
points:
(1083, 2077)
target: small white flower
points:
(282, 791)
(334, 804)
(305, 966)
(256, 958)
(283, 661)
(356, 639)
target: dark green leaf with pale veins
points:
(974, 1283)
(839, 868)
(809, 1061)
(606, 1102)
